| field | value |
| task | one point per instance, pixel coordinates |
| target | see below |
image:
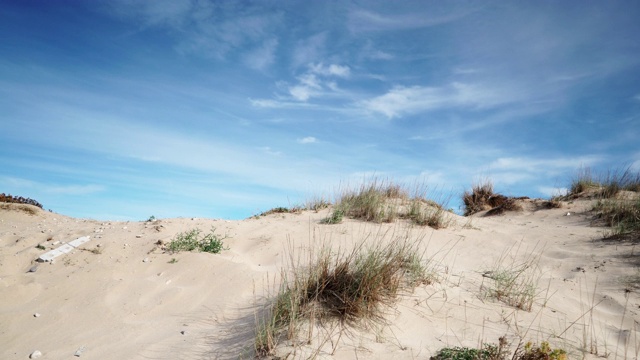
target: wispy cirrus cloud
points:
(49, 188)
(210, 29)
(363, 20)
(402, 100)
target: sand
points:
(120, 296)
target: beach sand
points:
(121, 296)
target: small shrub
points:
(336, 217)
(481, 197)
(40, 247)
(191, 241)
(487, 352)
(541, 352)
(8, 198)
(173, 261)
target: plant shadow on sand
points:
(234, 334)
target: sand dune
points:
(120, 296)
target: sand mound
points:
(121, 296)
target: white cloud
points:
(361, 20)
(308, 140)
(402, 100)
(552, 191)
(534, 165)
(331, 70)
(46, 188)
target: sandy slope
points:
(115, 305)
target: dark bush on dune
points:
(8, 198)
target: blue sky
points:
(196, 108)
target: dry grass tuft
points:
(384, 201)
(481, 197)
(351, 287)
(604, 185)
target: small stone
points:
(34, 268)
(79, 351)
(146, 260)
(138, 236)
(36, 354)
(124, 228)
(182, 332)
(99, 245)
(568, 214)
(36, 315)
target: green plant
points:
(539, 352)
(335, 217)
(487, 352)
(191, 240)
(173, 261)
(151, 218)
(40, 247)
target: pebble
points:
(36, 354)
(138, 236)
(34, 268)
(145, 260)
(79, 351)
(36, 315)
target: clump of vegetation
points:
(335, 217)
(281, 210)
(192, 241)
(619, 211)
(487, 352)
(500, 352)
(428, 213)
(481, 197)
(350, 287)
(8, 198)
(623, 216)
(371, 202)
(382, 201)
(539, 352)
(40, 247)
(606, 185)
